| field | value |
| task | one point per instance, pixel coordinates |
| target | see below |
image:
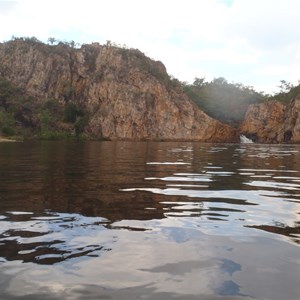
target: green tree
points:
(72, 112)
(45, 122)
(287, 92)
(7, 123)
(7, 93)
(80, 124)
(285, 86)
(199, 82)
(51, 40)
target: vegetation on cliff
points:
(16, 111)
(64, 90)
(287, 92)
(228, 102)
(21, 115)
(222, 100)
(99, 91)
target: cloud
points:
(6, 7)
(267, 24)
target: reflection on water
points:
(50, 238)
(89, 220)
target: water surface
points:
(121, 220)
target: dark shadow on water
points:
(42, 247)
(292, 232)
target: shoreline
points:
(3, 139)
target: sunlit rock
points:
(127, 95)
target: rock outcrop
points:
(263, 121)
(127, 95)
(291, 130)
(273, 122)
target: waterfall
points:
(245, 140)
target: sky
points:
(253, 42)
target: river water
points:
(149, 220)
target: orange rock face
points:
(291, 128)
(127, 95)
(273, 122)
(263, 122)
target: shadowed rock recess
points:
(126, 94)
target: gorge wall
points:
(126, 94)
(273, 122)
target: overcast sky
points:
(254, 42)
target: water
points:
(105, 220)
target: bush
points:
(7, 93)
(80, 125)
(72, 112)
(44, 121)
(55, 135)
(52, 105)
(77, 116)
(7, 123)
(8, 131)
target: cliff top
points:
(101, 91)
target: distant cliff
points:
(116, 93)
(273, 122)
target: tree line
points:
(228, 102)
(222, 100)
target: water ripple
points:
(48, 239)
(229, 185)
(122, 220)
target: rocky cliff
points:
(273, 122)
(126, 94)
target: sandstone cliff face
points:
(127, 95)
(263, 121)
(273, 122)
(291, 129)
